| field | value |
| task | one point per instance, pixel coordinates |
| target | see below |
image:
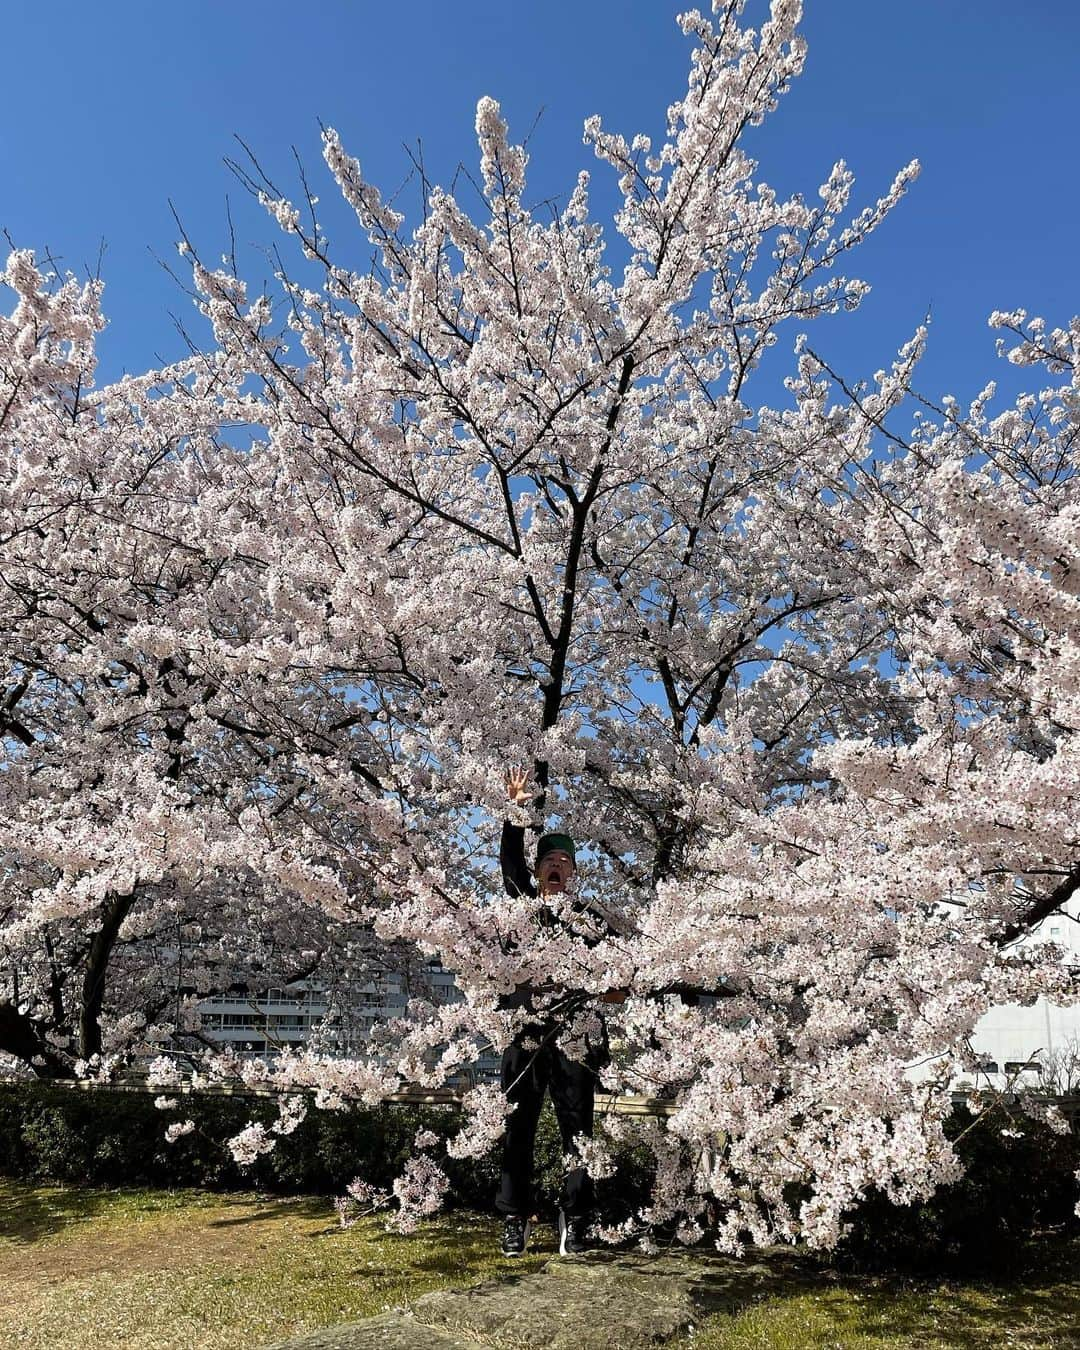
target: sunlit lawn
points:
(170, 1269)
(1041, 1309)
(165, 1269)
(960, 1318)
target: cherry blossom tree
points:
(126, 895)
(802, 676)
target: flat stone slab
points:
(591, 1302)
(575, 1303)
(388, 1331)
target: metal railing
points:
(605, 1102)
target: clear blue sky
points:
(115, 107)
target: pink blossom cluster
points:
(360, 1199)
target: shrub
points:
(1017, 1186)
(107, 1137)
(617, 1196)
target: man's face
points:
(554, 871)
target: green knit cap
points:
(548, 843)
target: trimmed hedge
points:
(112, 1138)
(1015, 1190)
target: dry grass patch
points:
(159, 1270)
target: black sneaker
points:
(572, 1234)
(516, 1232)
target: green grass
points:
(159, 1270)
(1041, 1309)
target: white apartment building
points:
(1036, 1046)
(260, 1023)
(1040, 1044)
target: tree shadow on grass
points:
(965, 1318)
(304, 1207)
(30, 1213)
(1037, 1302)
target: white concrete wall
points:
(1011, 1035)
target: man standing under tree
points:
(533, 1062)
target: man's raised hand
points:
(516, 781)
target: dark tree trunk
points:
(117, 909)
(24, 1038)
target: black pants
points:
(525, 1074)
